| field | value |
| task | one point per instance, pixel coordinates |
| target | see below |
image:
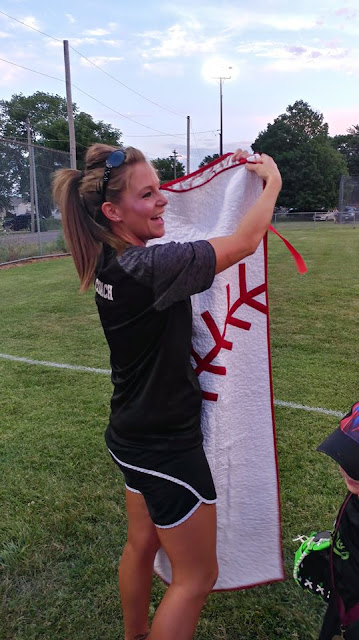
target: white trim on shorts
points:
(165, 476)
(188, 515)
(132, 490)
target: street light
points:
(221, 79)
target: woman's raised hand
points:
(264, 166)
(240, 154)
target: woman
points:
(109, 213)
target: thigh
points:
(142, 533)
(191, 546)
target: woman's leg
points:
(191, 548)
(136, 566)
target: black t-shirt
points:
(346, 554)
(145, 310)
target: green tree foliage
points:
(48, 118)
(348, 146)
(49, 123)
(165, 169)
(11, 165)
(208, 159)
(311, 168)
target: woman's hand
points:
(265, 167)
(239, 154)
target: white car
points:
(324, 217)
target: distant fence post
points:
(348, 202)
(32, 182)
(36, 204)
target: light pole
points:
(221, 79)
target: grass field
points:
(62, 525)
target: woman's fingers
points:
(262, 164)
(264, 167)
(239, 154)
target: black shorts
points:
(173, 483)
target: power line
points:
(30, 27)
(95, 65)
(125, 85)
(92, 98)
(183, 135)
(195, 141)
(33, 70)
(160, 133)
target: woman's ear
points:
(111, 211)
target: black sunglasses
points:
(114, 160)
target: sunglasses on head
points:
(114, 160)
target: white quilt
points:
(231, 355)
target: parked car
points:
(348, 215)
(22, 222)
(303, 214)
(7, 224)
(324, 217)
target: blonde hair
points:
(78, 195)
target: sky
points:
(143, 66)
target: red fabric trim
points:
(167, 186)
(301, 266)
(280, 546)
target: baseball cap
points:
(343, 444)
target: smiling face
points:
(137, 217)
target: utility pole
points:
(221, 79)
(188, 145)
(69, 106)
(36, 204)
(175, 156)
(31, 165)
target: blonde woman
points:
(110, 211)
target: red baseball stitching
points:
(220, 341)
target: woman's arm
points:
(244, 241)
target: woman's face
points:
(141, 208)
(353, 485)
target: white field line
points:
(56, 365)
(72, 367)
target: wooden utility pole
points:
(31, 165)
(69, 106)
(175, 156)
(221, 79)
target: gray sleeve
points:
(174, 270)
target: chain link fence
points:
(348, 200)
(30, 224)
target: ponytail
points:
(79, 198)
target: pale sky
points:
(168, 51)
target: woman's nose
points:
(163, 198)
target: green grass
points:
(63, 524)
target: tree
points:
(165, 169)
(348, 146)
(48, 118)
(208, 159)
(311, 168)
(11, 164)
(49, 123)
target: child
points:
(342, 616)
